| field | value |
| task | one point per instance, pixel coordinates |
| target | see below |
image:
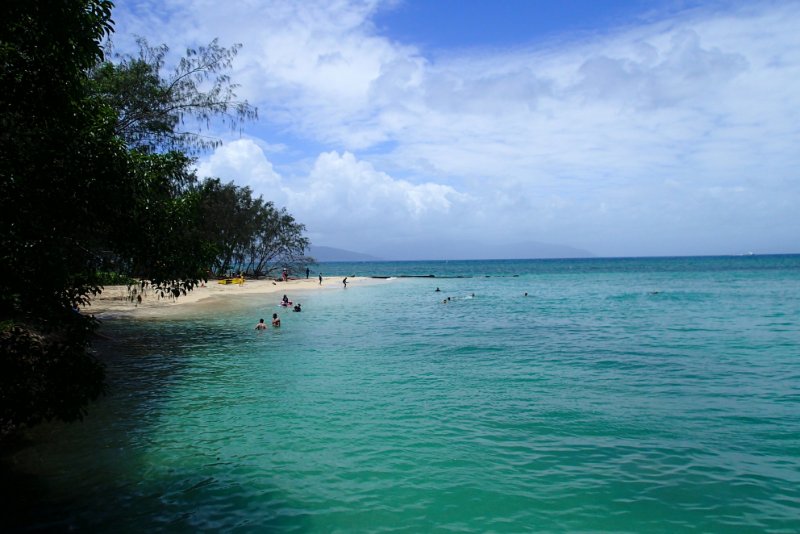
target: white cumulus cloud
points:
(341, 197)
(677, 135)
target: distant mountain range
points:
(474, 250)
(452, 251)
(338, 254)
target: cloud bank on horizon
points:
(671, 133)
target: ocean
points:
(619, 395)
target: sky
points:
(444, 129)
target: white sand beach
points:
(114, 300)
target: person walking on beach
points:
(275, 321)
(261, 325)
(320, 278)
(308, 271)
(345, 282)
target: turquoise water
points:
(630, 395)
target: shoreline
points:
(114, 301)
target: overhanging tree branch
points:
(151, 106)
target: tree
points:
(60, 155)
(62, 169)
(279, 240)
(152, 111)
(170, 250)
(230, 216)
(164, 245)
(250, 234)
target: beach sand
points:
(115, 301)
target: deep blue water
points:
(624, 395)
(482, 268)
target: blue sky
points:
(445, 129)
(453, 24)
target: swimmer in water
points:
(275, 321)
(261, 325)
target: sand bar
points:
(115, 301)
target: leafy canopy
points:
(153, 111)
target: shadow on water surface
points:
(129, 467)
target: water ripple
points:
(595, 404)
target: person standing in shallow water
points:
(320, 278)
(261, 325)
(275, 321)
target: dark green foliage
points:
(111, 278)
(62, 171)
(60, 157)
(249, 234)
(230, 215)
(278, 242)
(167, 248)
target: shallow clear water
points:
(620, 395)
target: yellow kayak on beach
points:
(226, 281)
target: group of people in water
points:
(448, 299)
(285, 302)
(470, 296)
(276, 321)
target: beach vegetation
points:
(230, 218)
(164, 246)
(279, 242)
(97, 181)
(251, 235)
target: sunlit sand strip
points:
(115, 301)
